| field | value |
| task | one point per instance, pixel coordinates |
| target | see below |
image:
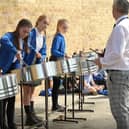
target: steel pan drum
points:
(67, 66)
(30, 73)
(87, 66)
(62, 67)
(33, 73)
(57, 68)
(18, 74)
(91, 55)
(73, 65)
(50, 69)
(8, 86)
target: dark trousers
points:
(56, 84)
(7, 108)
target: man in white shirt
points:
(116, 62)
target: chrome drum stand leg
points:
(46, 103)
(2, 114)
(21, 97)
(73, 101)
(66, 119)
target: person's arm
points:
(66, 56)
(43, 51)
(86, 84)
(7, 44)
(30, 40)
(92, 80)
(93, 83)
(57, 42)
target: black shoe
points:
(30, 120)
(13, 126)
(36, 117)
(33, 112)
(58, 108)
(5, 126)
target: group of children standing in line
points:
(29, 45)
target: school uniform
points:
(37, 43)
(58, 47)
(8, 61)
(57, 52)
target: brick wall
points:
(90, 21)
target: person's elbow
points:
(54, 52)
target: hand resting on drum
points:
(19, 56)
(66, 56)
(38, 55)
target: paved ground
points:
(101, 118)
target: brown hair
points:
(21, 23)
(40, 18)
(59, 23)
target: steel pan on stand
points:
(87, 66)
(62, 67)
(8, 88)
(28, 75)
(63, 70)
(19, 75)
(71, 68)
(49, 71)
(74, 69)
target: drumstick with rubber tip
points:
(99, 54)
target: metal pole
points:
(65, 114)
(46, 103)
(2, 114)
(22, 117)
(73, 115)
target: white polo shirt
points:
(117, 50)
(39, 40)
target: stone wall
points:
(90, 21)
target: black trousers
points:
(7, 111)
(56, 84)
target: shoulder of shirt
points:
(123, 23)
(8, 35)
(59, 36)
(33, 32)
